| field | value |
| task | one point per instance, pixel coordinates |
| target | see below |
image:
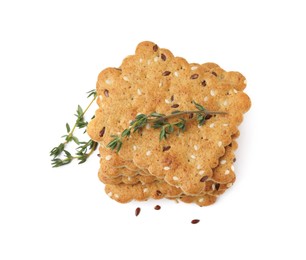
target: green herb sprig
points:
(161, 121)
(60, 155)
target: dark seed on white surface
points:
(195, 221)
(137, 211)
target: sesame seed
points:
(163, 57)
(229, 185)
(235, 91)
(196, 147)
(219, 143)
(148, 153)
(145, 190)
(175, 178)
(232, 168)
(139, 91)
(149, 62)
(129, 178)
(193, 156)
(167, 101)
(176, 74)
(110, 194)
(160, 84)
(212, 93)
(225, 103)
(134, 147)
(227, 172)
(126, 78)
(140, 60)
(213, 187)
(212, 125)
(108, 157)
(148, 126)
(199, 166)
(108, 82)
(166, 168)
(199, 126)
(201, 200)
(225, 124)
(116, 196)
(245, 82)
(223, 162)
(201, 172)
(156, 59)
(194, 67)
(206, 99)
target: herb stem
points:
(93, 148)
(81, 151)
(160, 121)
(206, 112)
(81, 116)
(94, 98)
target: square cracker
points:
(123, 192)
(154, 80)
(223, 173)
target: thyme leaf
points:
(61, 156)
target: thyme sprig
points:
(85, 148)
(161, 121)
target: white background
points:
(51, 53)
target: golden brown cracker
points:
(155, 80)
(124, 193)
(223, 173)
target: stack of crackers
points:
(195, 165)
